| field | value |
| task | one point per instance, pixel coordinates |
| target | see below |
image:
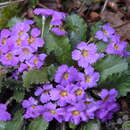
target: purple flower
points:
(30, 102)
(106, 110)
(4, 35)
(116, 48)
(106, 33)
(34, 41)
(62, 95)
(57, 18)
(44, 93)
(17, 42)
(79, 92)
(4, 115)
(21, 29)
(51, 112)
(9, 59)
(44, 12)
(58, 31)
(75, 114)
(107, 105)
(36, 61)
(108, 95)
(90, 78)
(86, 54)
(25, 53)
(33, 110)
(66, 75)
(22, 67)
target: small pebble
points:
(125, 117)
(119, 121)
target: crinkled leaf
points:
(124, 86)
(16, 122)
(18, 95)
(101, 46)
(60, 46)
(35, 77)
(72, 126)
(109, 65)
(38, 124)
(93, 125)
(2, 125)
(126, 125)
(77, 29)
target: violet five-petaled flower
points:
(4, 115)
(86, 54)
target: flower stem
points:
(63, 126)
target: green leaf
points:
(93, 125)
(16, 122)
(51, 71)
(126, 125)
(94, 28)
(124, 86)
(101, 46)
(38, 124)
(109, 65)
(38, 21)
(60, 46)
(77, 29)
(18, 95)
(2, 125)
(7, 13)
(35, 77)
(72, 126)
(13, 21)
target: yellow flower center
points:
(18, 41)
(66, 75)
(46, 91)
(116, 46)
(63, 93)
(75, 113)
(9, 56)
(25, 51)
(53, 112)
(105, 32)
(4, 40)
(84, 52)
(78, 92)
(21, 33)
(35, 61)
(87, 78)
(87, 102)
(31, 40)
(33, 106)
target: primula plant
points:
(51, 71)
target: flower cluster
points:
(4, 115)
(115, 45)
(69, 101)
(56, 21)
(19, 46)
(70, 104)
